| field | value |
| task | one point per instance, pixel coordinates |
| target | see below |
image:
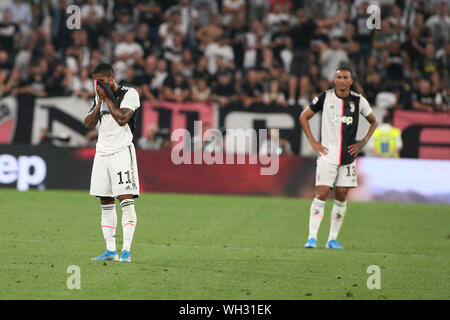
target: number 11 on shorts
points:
(120, 176)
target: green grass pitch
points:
(221, 247)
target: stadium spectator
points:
(8, 31)
(210, 32)
(414, 46)
(255, 43)
(275, 18)
(167, 29)
(54, 81)
(219, 49)
(238, 32)
(129, 78)
(372, 87)
(253, 91)
(145, 80)
(428, 64)
(188, 16)
(201, 92)
(331, 58)
(95, 30)
(151, 13)
(425, 100)
(150, 141)
(6, 74)
(274, 96)
(123, 7)
(201, 70)
(364, 35)
(60, 34)
(349, 42)
(143, 39)
(381, 39)
(175, 88)
(160, 75)
(404, 93)
(173, 51)
(91, 6)
(393, 63)
(257, 9)
(34, 85)
(439, 25)
(224, 92)
(128, 50)
(123, 25)
(231, 9)
(424, 31)
(279, 42)
(397, 22)
(300, 37)
(83, 86)
(207, 9)
(20, 13)
(386, 140)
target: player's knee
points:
(322, 193)
(125, 196)
(341, 194)
(106, 200)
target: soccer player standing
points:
(114, 172)
(337, 150)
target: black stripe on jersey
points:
(120, 94)
(349, 127)
(317, 104)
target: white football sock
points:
(129, 220)
(315, 217)
(109, 223)
(337, 217)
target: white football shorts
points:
(116, 174)
(333, 175)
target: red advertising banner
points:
(425, 135)
(157, 173)
(174, 115)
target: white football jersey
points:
(111, 136)
(339, 123)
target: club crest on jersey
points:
(352, 106)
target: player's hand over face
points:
(355, 148)
(319, 148)
(101, 93)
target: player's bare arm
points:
(304, 122)
(92, 118)
(356, 148)
(121, 115)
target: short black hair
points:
(348, 68)
(104, 69)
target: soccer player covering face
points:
(337, 150)
(114, 172)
